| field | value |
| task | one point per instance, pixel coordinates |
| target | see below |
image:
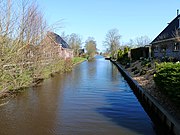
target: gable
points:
(170, 32)
(58, 39)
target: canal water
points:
(93, 99)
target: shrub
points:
(122, 56)
(16, 79)
(167, 79)
(143, 72)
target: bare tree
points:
(131, 43)
(142, 41)
(21, 30)
(75, 43)
(112, 41)
(65, 37)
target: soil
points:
(147, 83)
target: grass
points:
(77, 60)
(15, 81)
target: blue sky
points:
(94, 18)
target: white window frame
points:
(176, 46)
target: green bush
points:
(167, 78)
(15, 80)
(122, 56)
(120, 53)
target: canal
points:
(92, 99)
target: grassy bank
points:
(77, 60)
(15, 80)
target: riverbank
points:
(143, 74)
(78, 60)
(85, 101)
(63, 66)
(165, 122)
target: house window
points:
(156, 48)
(176, 46)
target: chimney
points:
(177, 12)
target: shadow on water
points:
(124, 109)
(116, 113)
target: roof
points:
(58, 39)
(169, 32)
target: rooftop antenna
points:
(177, 12)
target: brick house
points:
(54, 45)
(167, 43)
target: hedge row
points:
(167, 78)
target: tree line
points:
(112, 43)
(76, 43)
(114, 47)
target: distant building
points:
(56, 38)
(167, 43)
(53, 45)
(80, 52)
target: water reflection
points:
(93, 99)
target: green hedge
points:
(167, 78)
